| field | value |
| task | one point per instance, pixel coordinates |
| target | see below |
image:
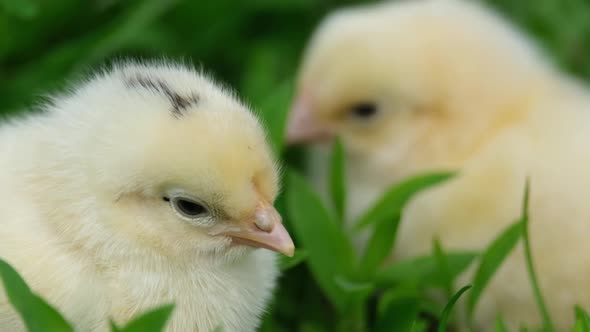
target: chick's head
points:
(423, 80)
(176, 163)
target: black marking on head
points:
(179, 103)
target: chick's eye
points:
(188, 207)
(364, 110)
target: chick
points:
(147, 184)
(430, 85)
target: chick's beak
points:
(302, 124)
(265, 230)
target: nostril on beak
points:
(264, 222)
(266, 219)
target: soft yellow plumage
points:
(136, 189)
(431, 85)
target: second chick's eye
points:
(364, 110)
(188, 207)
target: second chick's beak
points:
(264, 230)
(302, 124)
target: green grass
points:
(255, 46)
(35, 312)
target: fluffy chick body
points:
(83, 218)
(457, 88)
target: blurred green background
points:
(253, 46)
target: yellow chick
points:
(145, 185)
(430, 85)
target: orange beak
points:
(302, 124)
(266, 230)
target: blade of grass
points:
(337, 179)
(443, 266)
(398, 315)
(419, 325)
(583, 317)
(286, 263)
(113, 327)
(582, 321)
(444, 317)
(36, 313)
(491, 260)
(547, 322)
(396, 294)
(424, 270)
(428, 306)
(354, 317)
(379, 247)
(152, 321)
(330, 251)
(500, 326)
(386, 217)
(391, 203)
(357, 291)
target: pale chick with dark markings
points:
(148, 184)
(417, 86)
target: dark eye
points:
(188, 207)
(364, 110)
